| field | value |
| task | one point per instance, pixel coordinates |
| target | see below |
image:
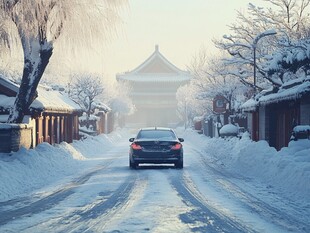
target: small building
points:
(53, 116)
(273, 114)
(154, 84)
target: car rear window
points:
(156, 134)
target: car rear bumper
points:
(157, 160)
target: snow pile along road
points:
(27, 171)
(287, 170)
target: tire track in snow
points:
(202, 218)
(96, 216)
(30, 207)
(253, 203)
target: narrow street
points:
(216, 94)
(112, 198)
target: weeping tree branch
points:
(39, 24)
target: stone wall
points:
(15, 136)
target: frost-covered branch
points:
(84, 90)
(38, 24)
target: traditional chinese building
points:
(52, 118)
(154, 84)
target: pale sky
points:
(179, 27)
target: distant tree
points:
(117, 97)
(39, 23)
(188, 105)
(84, 90)
(212, 78)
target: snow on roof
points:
(8, 84)
(156, 78)
(47, 100)
(54, 101)
(291, 90)
(101, 106)
(249, 105)
(155, 68)
(290, 93)
(6, 102)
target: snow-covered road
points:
(109, 197)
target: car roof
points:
(156, 128)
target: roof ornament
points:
(156, 48)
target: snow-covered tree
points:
(84, 90)
(117, 97)
(38, 24)
(290, 19)
(212, 78)
(291, 61)
(188, 106)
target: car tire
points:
(133, 165)
(179, 164)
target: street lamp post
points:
(254, 63)
(254, 45)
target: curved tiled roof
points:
(155, 68)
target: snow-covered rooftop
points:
(156, 68)
(156, 78)
(8, 84)
(250, 105)
(290, 93)
(47, 100)
(54, 101)
(101, 107)
(291, 90)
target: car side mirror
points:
(181, 139)
(131, 139)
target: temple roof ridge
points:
(157, 63)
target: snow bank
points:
(28, 170)
(287, 170)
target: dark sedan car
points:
(157, 146)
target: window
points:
(156, 134)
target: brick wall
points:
(14, 136)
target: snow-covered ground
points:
(27, 171)
(287, 170)
(238, 178)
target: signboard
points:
(219, 104)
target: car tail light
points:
(177, 146)
(135, 146)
